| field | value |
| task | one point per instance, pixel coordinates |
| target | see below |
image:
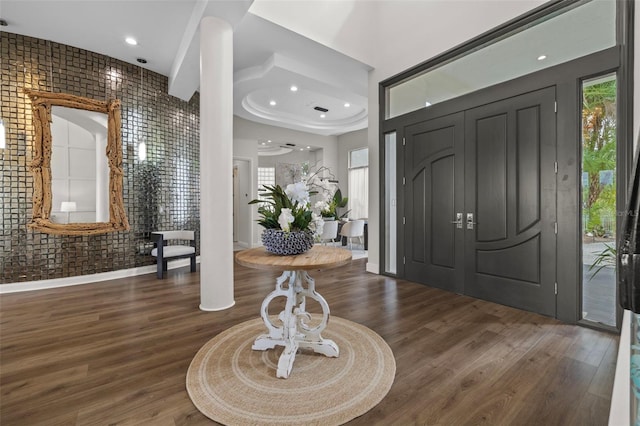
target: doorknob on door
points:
(470, 221)
(458, 220)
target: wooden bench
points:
(163, 251)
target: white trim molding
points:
(89, 279)
(374, 268)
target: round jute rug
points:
(234, 385)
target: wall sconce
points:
(3, 142)
(142, 151)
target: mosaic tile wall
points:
(161, 192)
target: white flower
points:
(321, 205)
(285, 219)
(317, 224)
(298, 193)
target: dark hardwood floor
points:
(117, 352)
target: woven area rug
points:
(234, 385)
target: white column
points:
(216, 164)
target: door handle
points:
(458, 220)
(470, 221)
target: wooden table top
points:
(319, 257)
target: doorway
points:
(480, 198)
(242, 190)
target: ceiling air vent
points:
(320, 109)
(290, 144)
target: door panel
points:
(510, 188)
(434, 178)
(507, 262)
(491, 166)
(528, 157)
(441, 211)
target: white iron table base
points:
(295, 331)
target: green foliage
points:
(337, 202)
(606, 257)
(275, 199)
(605, 205)
(599, 154)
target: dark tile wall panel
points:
(159, 193)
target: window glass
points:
(390, 204)
(567, 35)
(358, 183)
(266, 176)
(359, 158)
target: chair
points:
(329, 231)
(163, 252)
(353, 229)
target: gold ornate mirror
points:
(42, 104)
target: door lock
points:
(470, 221)
(458, 220)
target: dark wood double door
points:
(480, 202)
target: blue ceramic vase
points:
(277, 241)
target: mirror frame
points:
(40, 166)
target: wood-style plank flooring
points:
(117, 352)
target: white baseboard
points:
(374, 268)
(88, 279)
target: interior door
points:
(510, 190)
(434, 179)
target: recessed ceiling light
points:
(269, 141)
(322, 116)
(427, 103)
(272, 103)
(263, 143)
(308, 147)
(130, 40)
(301, 149)
(542, 57)
(294, 88)
(347, 104)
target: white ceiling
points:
(268, 59)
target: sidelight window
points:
(599, 159)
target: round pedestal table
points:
(296, 285)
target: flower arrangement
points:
(330, 209)
(287, 215)
(331, 199)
